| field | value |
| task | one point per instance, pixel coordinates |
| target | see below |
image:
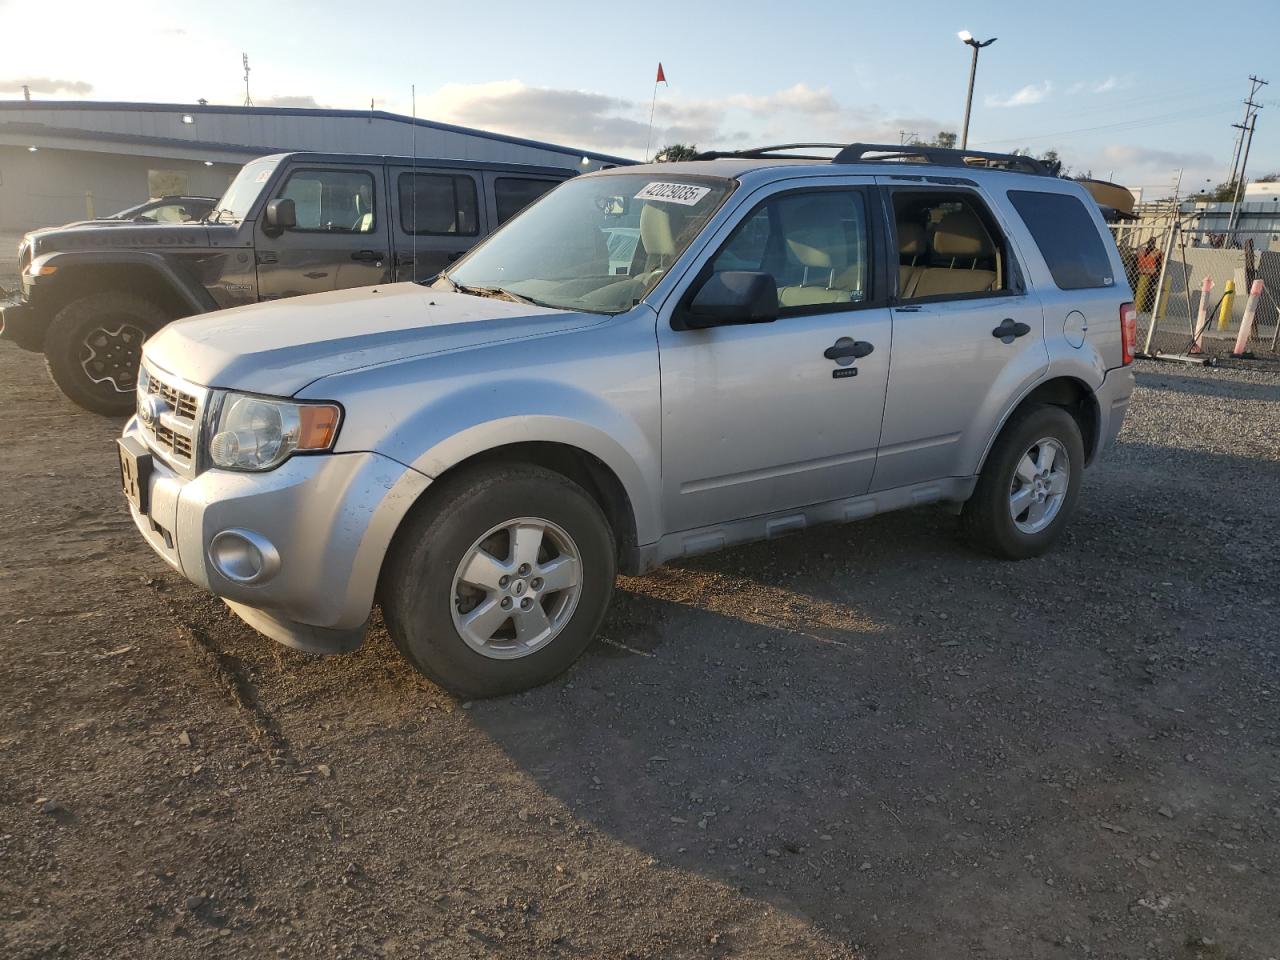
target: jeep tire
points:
(499, 580)
(93, 348)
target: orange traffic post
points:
(1246, 324)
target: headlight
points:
(258, 433)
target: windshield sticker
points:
(683, 193)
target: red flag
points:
(662, 77)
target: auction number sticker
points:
(682, 193)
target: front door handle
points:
(846, 348)
(1008, 331)
(366, 256)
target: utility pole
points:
(26, 92)
(248, 100)
(1250, 108)
(1244, 163)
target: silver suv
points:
(648, 363)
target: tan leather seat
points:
(961, 239)
(816, 237)
(913, 249)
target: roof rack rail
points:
(773, 151)
(943, 156)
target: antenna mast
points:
(248, 100)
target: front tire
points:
(500, 580)
(1029, 485)
(93, 348)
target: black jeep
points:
(288, 224)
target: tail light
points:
(1128, 332)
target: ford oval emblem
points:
(150, 409)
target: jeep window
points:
(244, 190)
(437, 203)
(1067, 237)
(949, 246)
(331, 201)
(568, 249)
(513, 194)
(813, 244)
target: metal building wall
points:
(51, 187)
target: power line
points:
(1178, 116)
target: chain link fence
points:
(1192, 287)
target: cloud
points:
(798, 99)
(1031, 93)
(291, 100)
(79, 88)
(1112, 82)
(620, 125)
(1131, 155)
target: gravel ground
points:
(860, 742)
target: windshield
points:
(597, 243)
(238, 200)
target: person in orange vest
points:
(1148, 269)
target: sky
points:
(1126, 91)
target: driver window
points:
(813, 244)
(331, 201)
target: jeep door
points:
(340, 239)
(968, 333)
(763, 417)
(439, 217)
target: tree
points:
(675, 152)
(1224, 192)
(944, 138)
(1268, 178)
(1050, 159)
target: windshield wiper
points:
(495, 292)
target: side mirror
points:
(281, 215)
(732, 297)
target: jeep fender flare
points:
(66, 263)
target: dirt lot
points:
(863, 741)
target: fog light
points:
(243, 556)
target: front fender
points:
(67, 263)
(482, 417)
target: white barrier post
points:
(1246, 324)
(1202, 317)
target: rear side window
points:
(438, 203)
(513, 194)
(1067, 237)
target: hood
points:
(281, 346)
(116, 234)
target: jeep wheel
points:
(499, 581)
(1029, 485)
(93, 348)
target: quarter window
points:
(813, 244)
(513, 194)
(438, 203)
(1067, 237)
(332, 201)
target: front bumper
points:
(329, 518)
(21, 324)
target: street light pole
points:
(968, 39)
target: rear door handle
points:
(366, 256)
(405, 259)
(1008, 331)
(847, 348)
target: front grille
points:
(171, 425)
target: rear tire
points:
(499, 581)
(94, 346)
(1026, 493)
